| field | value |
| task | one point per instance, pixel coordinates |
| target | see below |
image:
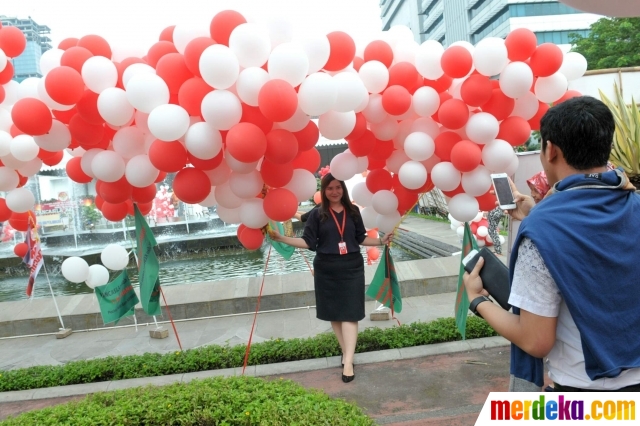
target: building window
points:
(434, 24)
(540, 9)
(441, 41)
(430, 7)
(478, 7)
(491, 25)
(559, 37)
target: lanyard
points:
(344, 217)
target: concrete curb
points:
(258, 370)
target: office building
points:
(448, 21)
(28, 63)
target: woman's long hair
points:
(345, 200)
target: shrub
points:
(219, 401)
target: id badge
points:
(342, 247)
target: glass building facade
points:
(28, 63)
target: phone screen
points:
(503, 191)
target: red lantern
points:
(191, 185)
(31, 116)
(343, 50)
(280, 204)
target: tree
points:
(612, 43)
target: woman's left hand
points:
(388, 237)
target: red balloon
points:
(396, 100)
(158, 50)
(85, 133)
(453, 114)
(19, 221)
(87, 108)
(223, 24)
(466, 156)
(282, 147)
(114, 212)
(250, 238)
(53, 159)
(75, 57)
(167, 156)
(546, 60)
(143, 195)
(31, 116)
(382, 150)
(405, 74)
(14, 131)
(343, 50)
(3, 94)
(114, 192)
(520, 43)
(363, 146)
(568, 95)
(476, 90)
(276, 175)
(445, 142)
(209, 164)
(64, 85)
(251, 114)
(7, 73)
(173, 70)
(308, 137)
(167, 34)
(5, 213)
(378, 180)
(487, 202)
(534, 122)
(161, 176)
(191, 185)
(246, 142)
(308, 160)
(145, 208)
(96, 45)
(515, 130)
(21, 249)
(358, 129)
(193, 51)
(68, 43)
(380, 51)
(458, 190)
(65, 116)
(12, 41)
(126, 62)
(277, 100)
(456, 61)
(22, 180)
(191, 94)
(280, 204)
(499, 105)
(99, 202)
(357, 63)
(75, 173)
(440, 85)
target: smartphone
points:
(503, 191)
(469, 256)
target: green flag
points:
(462, 301)
(384, 287)
(117, 298)
(285, 250)
(148, 267)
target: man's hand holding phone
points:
(523, 203)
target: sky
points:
(132, 26)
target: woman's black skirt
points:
(339, 286)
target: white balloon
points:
(203, 141)
(24, 148)
(5, 143)
(99, 73)
(497, 155)
(58, 138)
(239, 166)
(419, 146)
(9, 179)
(20, 200)
(28, 88)
(445, 176)
(482, 128)
(350, 91)
(302, 184)
(374, 76)
(75, 269)
(246, 185)
(387, 223)
(135, 69)
(516, 79)
(289, 62)
(252, 213)
(550, 89)
(384, 202)
(229, 216)
(477, 182)
(463, 207)
(140, 172)
(108, 166)
(10, 98)
(574, 65)
(219, 66)
(114, 257)
(344, 166)
(251, 45)
(317, 49)
(361, 194)
(460, 231)
(221, 109)
(374, 112)
(220, 174)
(98, 275)
(428, 58)
(297, 122)
(405, 51)
(490, 56)
(478, 217)
(430, 163)
(86, 161)
(168, 122)
(3, 60)
(226, 197)
(42, 95)
(50, 60)
(12, 162)
(114, 106)
(482, 231)
(513, 166)
(184, 33)
(336, 125)
(249, 83)
(386, 129)
(30, 168)
(426, 101)
(413, 175)
(280, 31)
(526, 106)
(210, 201)
(369, 217)
(426, 125)
(147, 91)
(129, 142)
(317, 94)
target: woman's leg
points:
(337, 330)
(350, 336)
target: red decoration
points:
(191, 185)
(31, 116)
(280, 204)
(343, 50)
(223, 24)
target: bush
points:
(230, 401)
(215, 357)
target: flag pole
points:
(53, 296)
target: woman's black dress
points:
(338, 279)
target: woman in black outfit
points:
(335, 231)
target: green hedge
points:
(215, 357)
(230, 401)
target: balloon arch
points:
(229, 111)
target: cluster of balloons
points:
(479, 229)
(163, 207)
(76, 270)
(229, 110)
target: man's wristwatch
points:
(473, 306)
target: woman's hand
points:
(275, 235)
(388, 237)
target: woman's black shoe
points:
(348, 379)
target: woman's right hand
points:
(275, 235)
(524, 203)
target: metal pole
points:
(186, 216)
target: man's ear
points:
(551, 152)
